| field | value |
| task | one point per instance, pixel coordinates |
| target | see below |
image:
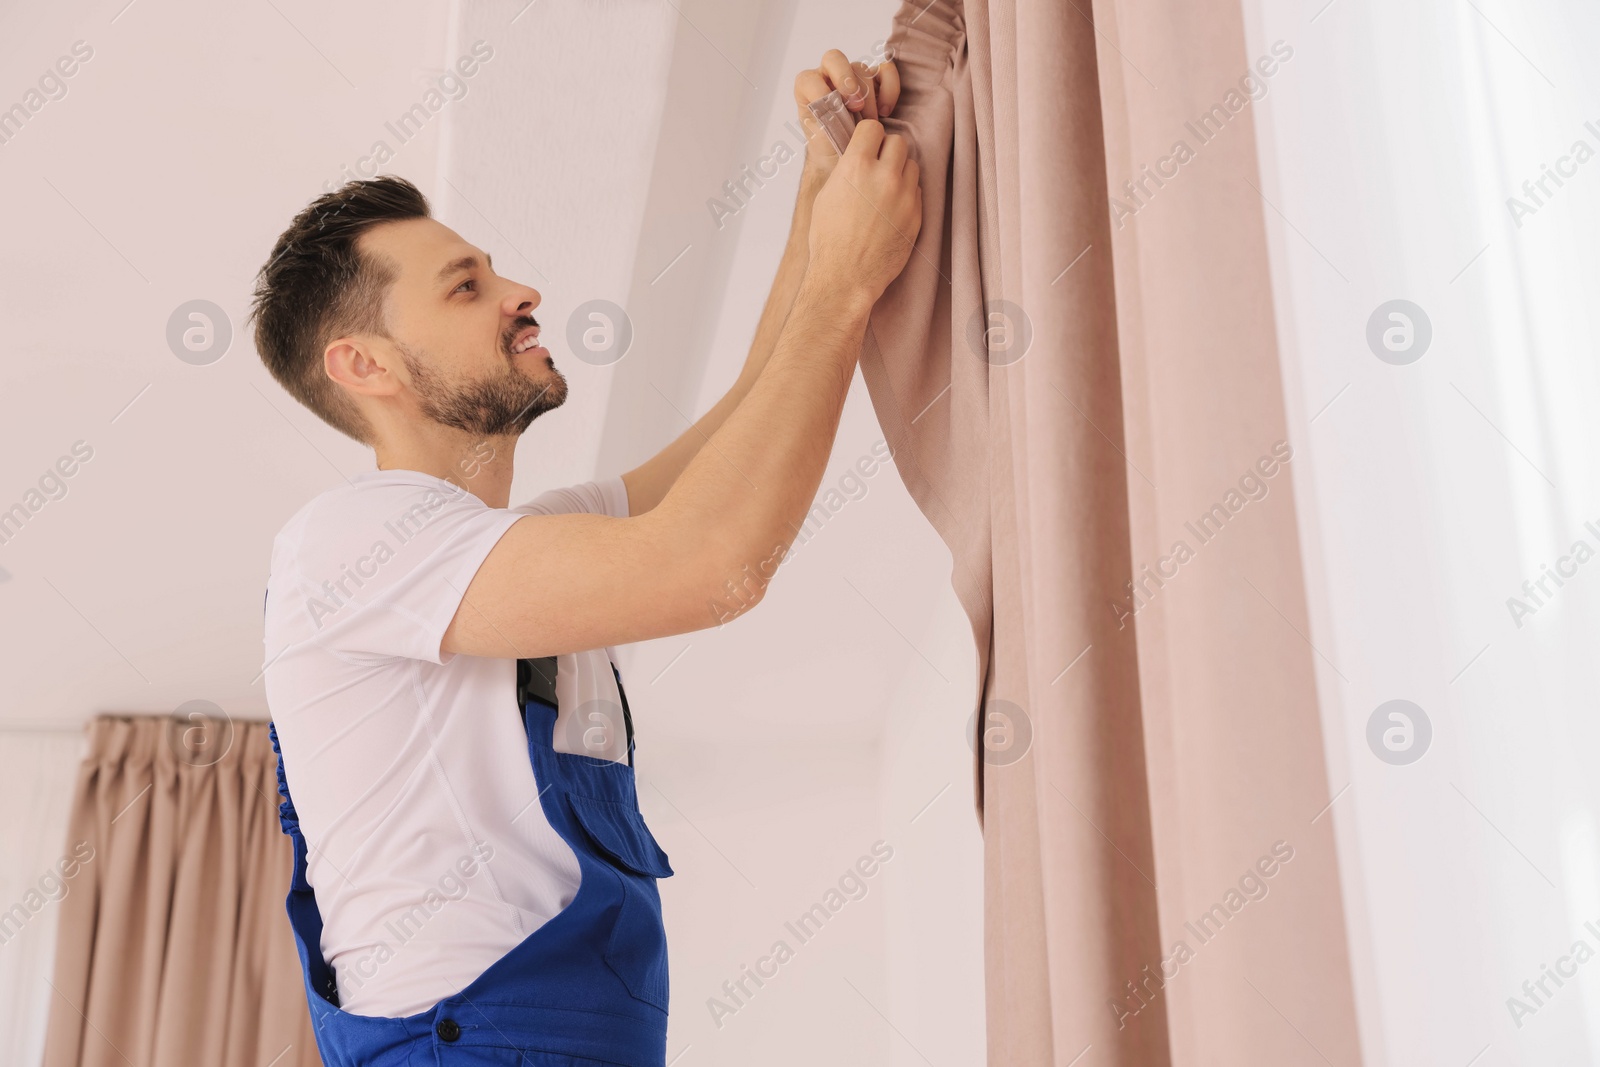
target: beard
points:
(505, 402)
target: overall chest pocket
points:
(637, 948)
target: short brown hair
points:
(318, 286)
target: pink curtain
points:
(174, 947)
(1084, 400)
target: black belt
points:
(536, 680)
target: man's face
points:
(464, 332)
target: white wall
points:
(36, 792)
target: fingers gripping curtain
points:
(173, 946)
(1036, 392)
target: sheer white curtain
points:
(36, 796)
(1434, 485)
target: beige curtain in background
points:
(174, 947)
(1161, 885)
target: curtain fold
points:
(1237, 761)
(1066, 391)
(174, 947)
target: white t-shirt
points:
(426, 843)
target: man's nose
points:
(524, 302)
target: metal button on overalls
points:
(589, 985)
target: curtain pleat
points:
(174, 947)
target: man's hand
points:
(866, 218)
(871, 92)
(876, 91)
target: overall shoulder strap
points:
(627, 716)
(536, 680)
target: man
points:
(473, 880)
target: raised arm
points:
(564, 583)
(648, 483)
(875, 92)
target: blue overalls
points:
(587, 987)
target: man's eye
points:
(469, 281)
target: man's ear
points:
(358, 365)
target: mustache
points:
(522, 323)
